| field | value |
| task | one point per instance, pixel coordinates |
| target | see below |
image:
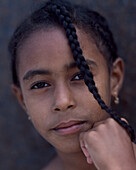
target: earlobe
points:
(17, 92)
(117, 76)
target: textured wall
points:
(20, 145)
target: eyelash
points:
(40, 85)
(43, 84)
(80, 77)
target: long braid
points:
(64, 18)
(98, 29)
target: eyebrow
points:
(30, 74)
(74, 64)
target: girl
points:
(49, 70)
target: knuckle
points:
(91, 136)
(113, 125)
(111, 121)
(124, 120)
(102, 127)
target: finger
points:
(96, 124)
(124, 120)
(134, 145)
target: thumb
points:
(84, 148)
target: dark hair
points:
(61, 13)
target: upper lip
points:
(68, 124)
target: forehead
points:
(50, 49)
(43, 45)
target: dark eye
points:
(77, 77)
(40, 85)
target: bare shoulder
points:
(54, 164)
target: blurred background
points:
(21, 147)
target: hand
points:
(108, 146)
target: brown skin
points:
(65, 97)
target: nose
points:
(63, 99)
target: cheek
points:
(88, 105)
(38, 109)
(87, 101)
(103, 86)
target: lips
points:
(69, 127)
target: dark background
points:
(20, 145)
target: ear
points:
(18, 93)
(117, 76)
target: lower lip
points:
(70, 130)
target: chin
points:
(71, 148)
(70, 144)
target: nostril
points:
(70, 106)
(62, 109)
(57, 109)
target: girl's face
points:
(52, 91)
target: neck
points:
(75, 161)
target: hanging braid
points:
(64, 18)
(56, 12)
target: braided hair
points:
(59, 13)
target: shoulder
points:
(54, 164)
